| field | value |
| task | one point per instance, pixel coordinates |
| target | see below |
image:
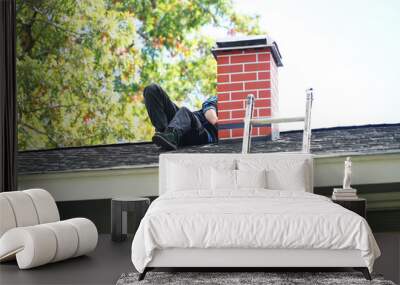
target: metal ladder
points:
(249, 122)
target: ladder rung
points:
(260, 121)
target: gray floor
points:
(110, 260)
(389, 262)
(103, 266)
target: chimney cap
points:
(248, 42)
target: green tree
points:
(82, 65)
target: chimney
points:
(246, 65)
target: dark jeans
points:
(165, 114)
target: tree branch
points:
(28, 41)
(25, 125)
(143, 35)
(153, 4)
(57, 26)
(207, 11)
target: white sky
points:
(347, 50)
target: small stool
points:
(119, 215)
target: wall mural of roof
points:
(368, 139)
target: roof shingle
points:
(366, 139)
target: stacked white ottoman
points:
(31, 230)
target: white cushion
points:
(193, 175)
(188, 177)
(45, 205)
(7, 218)
(32, 246)
(232, 180)
(223, 179)
(23, 208)
(26, 208)
(67, 240)
(279, 180)
(253, 161)
(87, 233)
(282, 173)
(251, 178)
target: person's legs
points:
(190, 127)
(184, 129)
(195, 137)
(159, 106)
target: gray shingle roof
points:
(339, 140)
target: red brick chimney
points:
(246, 65)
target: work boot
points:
(168, 140)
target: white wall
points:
(95, 184)
(367, 169)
